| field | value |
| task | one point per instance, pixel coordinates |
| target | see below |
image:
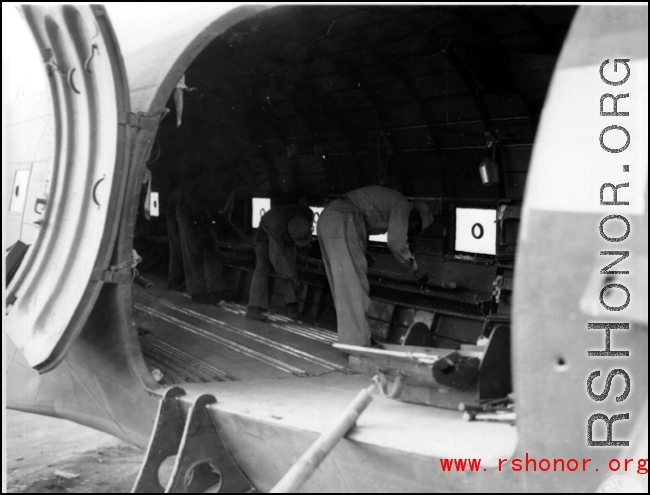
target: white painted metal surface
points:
(75, 148)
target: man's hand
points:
(422, 278)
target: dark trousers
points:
(342, 237)
(259, 291)
(194, 255)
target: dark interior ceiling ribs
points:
(323, 99)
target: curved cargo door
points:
(75, 213)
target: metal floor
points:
(281, 381)
(199, 343)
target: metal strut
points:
(202, 458)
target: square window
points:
(476, 230)
(260, 207)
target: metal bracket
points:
(509, 212)
(115, 274)
(202, 458)
(500, 284)
(141, 120)
(39, 202)
(382, 381)
(491, 139)
(504, 213)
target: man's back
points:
(377, 203)
(275, 221)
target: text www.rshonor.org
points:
(531, 464)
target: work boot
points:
(180, 287)
(222, 295)
(292, 311)
(255, 314)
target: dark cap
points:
(300, 230)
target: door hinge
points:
(141, 120)
(117, 274)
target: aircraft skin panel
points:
(59, 280)
(558, 274)
(31, 128)
(269, 424)
(28, 185)
(623, 29)
(30, 156)
(102, 382)
(155, 69)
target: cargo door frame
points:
(152, 85)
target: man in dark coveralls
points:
(280, 228)
(343, 230)
(198, 213)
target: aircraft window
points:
(379, 238)
(260, 207)
(19, 191)
(476, 230)
(154, 206)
